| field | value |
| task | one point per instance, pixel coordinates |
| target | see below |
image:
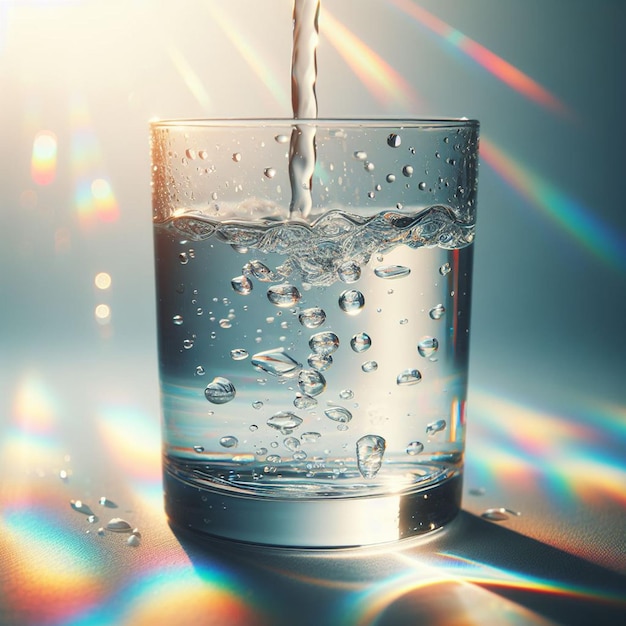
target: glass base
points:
(312, 522)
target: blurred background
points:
(79, 82)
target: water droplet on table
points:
(109, 504)
(80, 507)
(394, 140)
(118, 525)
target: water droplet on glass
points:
(422, 186)
(118, 525)
(320, 362)
(408, 377)
(238, 354)
(299, 455)
(283, 295)
(435, 427)
(220, 390)
(392, 271)
(281, 139)
(178, 320)
(270, 172)
(324, 343)
(302, 401)
(257, 404)
(351, 301)
(200, 371)
(311, 383)
(346, 394)
(284, 421)
(445, 269)
(312, 318)
(310, 437)
(390, 178)
(241, 285)
(407, 170)
(394, 141)
(415, 447)
(369, 366)
(188, 344)
(291, 443)
(276, 362)
(349, 272)
(369, 454)
(80, 507)
(360, 155)
(361, 342)
(237, 157)
(436, 313)
(369, 166)
(198, 449)
(427, 346)
(229, 441)
(338, 414)
(274, 459)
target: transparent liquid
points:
(333, 366)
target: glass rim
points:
(351, 122)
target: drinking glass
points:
(313, 283)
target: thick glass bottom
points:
(330, 522)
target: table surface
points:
(89, 429)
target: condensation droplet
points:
(407, 170)
(361, 342)
(284, 421)
(258, 270)
(389, 272)
(310, 437)
(178, 320)
(427, 346)
(351, 301)
(237, 157)
(390, 178)
(229, 441)
(394, 141)
(415, 447)
(276, 362)
(238, 354)
(445, 269)
(281, 138)
(499, 514)
(320, 362)
(220, 390)
(257, 404)
(369, 366)
(360, 155)
(270, 172)
(346, 394)
(291, 443)
(80, 507)
(183, 257)
(199, 449)
(436, 313)
(408, 377)
(303, 401)
(435, 427)
(338, 414)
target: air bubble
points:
(283, 295)
(390, 272)
(259, 270)
(369, 454)
(324, 343)
(241, 285)
(351, 301)
(349, 272)
(312, 318)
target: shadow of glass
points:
(474, 571)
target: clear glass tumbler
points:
(313, 284)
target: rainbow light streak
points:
(189, 76)
(594, 235)
(177, 595)
(479, 573)
(94, 199)
(494, 64)
(252, 55)
(542, 445)
(385, 84)
(43, 164)
(54, 578)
